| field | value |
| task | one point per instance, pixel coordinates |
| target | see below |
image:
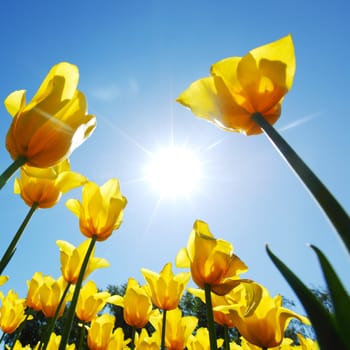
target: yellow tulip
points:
(241, 86)
(54, 343)
(101, 209)
(33, 294)
(55, 122)
(245, 297)
(178, 328)
(166, 289)
(266, 325)
(90, 302)
(50, 294)
(117, 341)
(18, 346)
(11, 312)
(100, 332)
(200, 341)
(44, 187)
(211, 260)
(136, 303)
(306, 343)
(72, 259)
(3, 279)
(145, 342)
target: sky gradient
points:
(135, 58)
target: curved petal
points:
(15, 102)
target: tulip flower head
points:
(33, 294)
(72, 260)
(178, 328)
(242, 86)
(211, 260)
(266, 325)
(166, 289)
(145, 342)
(55, 122)
(44, 187)
(102, 337)
(245, 297)
(101, 210)
(136, 303)
(200, 341)
(50, 293)
(90, 302)
(54, 343)
(11, 312)
(18, 346)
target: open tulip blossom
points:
(46, 130)
(239, 87)
(211, 260)
(101, 210)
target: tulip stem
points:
(336, 214)
(11, 170)
(133, 332)
(73, 304)
(227, 338)
(210, 317)
(53, 320)
(82, 336)
(10, 251)
(162, 346)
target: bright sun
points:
(174, 172)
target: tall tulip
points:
(211, 260)
(11, 312)
(72, 258)
(44, 187)
(241, 86)
(101, 210)
(47, 129)
(265, 326)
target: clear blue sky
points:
(135, 58)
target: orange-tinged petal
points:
(239, 87)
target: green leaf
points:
(327, 332)
(340, 297)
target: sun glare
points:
(174, 172)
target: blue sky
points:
(135, 58)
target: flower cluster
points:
(242, 94)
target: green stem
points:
(227, 338)
(162, 345)
(210, 317)
(132, 343)
(11, 170)
(53, 320)
(12, 246)
(2, 337)
(336, 214)
(82, 336)
(73, 304)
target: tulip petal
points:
(15, 102)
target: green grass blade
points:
(328, 335)
(340, 297)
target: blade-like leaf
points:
(340, 297)
(327, 333)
